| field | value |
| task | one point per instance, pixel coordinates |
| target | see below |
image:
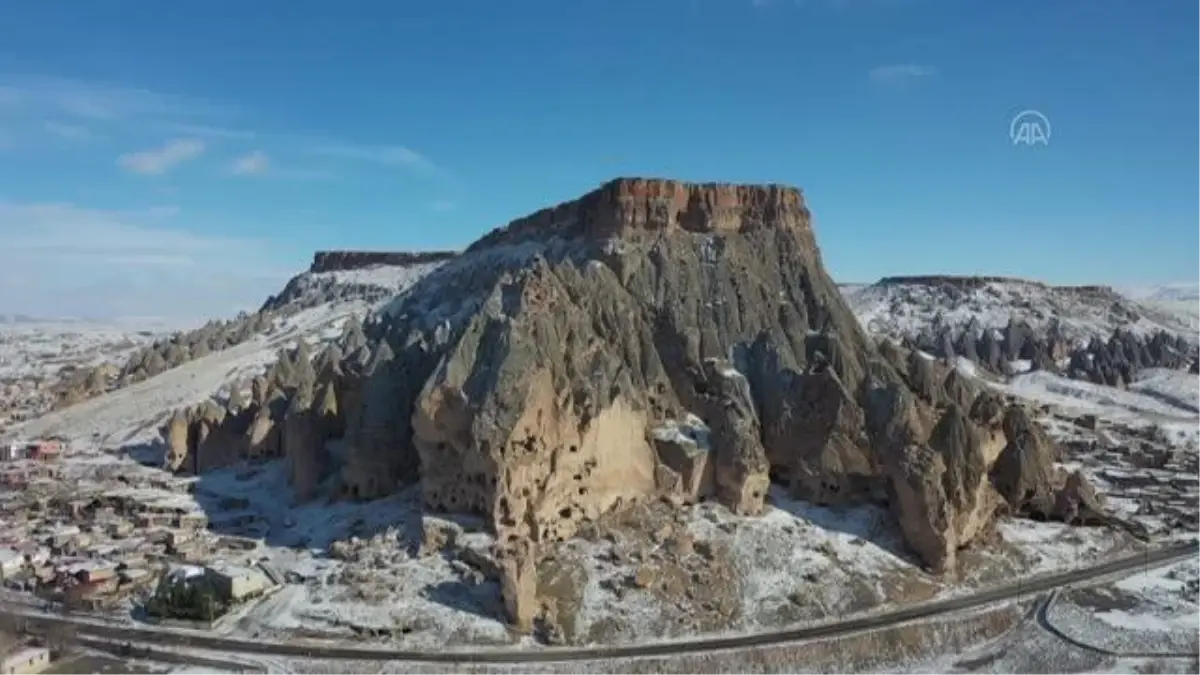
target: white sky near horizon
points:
(58, 260)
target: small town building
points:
(64, 535)
(44, 450)
(11, 451)
(192, 521)
(119, 528)
(25, 661)
(236, 542)
(235, 583)
(90, 571)
(176, 539)
(136, 577)
(12, 562)
(35, 555)
(152, 520)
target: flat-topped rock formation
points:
(651, 340)
(651, 204)
(332, 261)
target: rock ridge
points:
(978, 281)
(333, 261)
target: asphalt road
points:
(1043, 620)
(1012, 591)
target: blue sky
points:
(186, 157)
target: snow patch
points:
(691, 433)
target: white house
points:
(11, 562)
(11, 451)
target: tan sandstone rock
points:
(526, 380)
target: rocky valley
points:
(649, 410)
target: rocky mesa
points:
(653, 339)
(333, 261)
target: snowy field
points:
(357, 570)
(1153, 612)
(39, 348)
(1159, 393)
(906, 309)
(132, 413)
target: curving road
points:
(1011, 591)
(1043, 621)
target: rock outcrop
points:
(1114, 362)
(363, 276)
(978, 281)
(185, 346)
(290, 415)
(651, 339)
(577, 332)
(332, 261)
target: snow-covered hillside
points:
(1179, 291)
(128, 413)
(36, 355)
(903, 308)
(372, 284)
(37, 348)
(314, 310)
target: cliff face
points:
(651, 339)
(609, 305)
(332, 261)
(626, 206)
(539, 378)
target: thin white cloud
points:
(259, 164)
(252, 164)
(900, 74)
(303, 174)
(205, 130)
(148, 260)
(443, 206)
(72, 132)
(59, 259)
(397, 156)
(74, 106)
(64, 229)
(164, 212)
(98, 100)
(161, 160)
